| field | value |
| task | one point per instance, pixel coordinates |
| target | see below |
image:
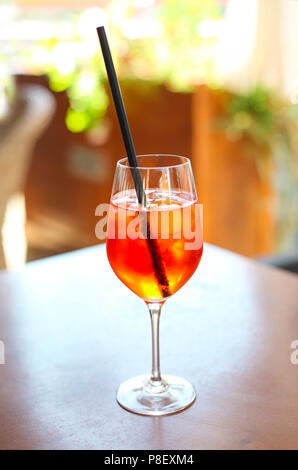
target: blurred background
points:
(215, 80)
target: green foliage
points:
(172, 52)
(254, 114)
(261, 118)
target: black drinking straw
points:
(157, 261)
(121, 113)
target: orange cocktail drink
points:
(172, 224)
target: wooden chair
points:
(18, 135)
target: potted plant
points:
(244, 149)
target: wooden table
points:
(73, 332)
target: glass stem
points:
(154, 310)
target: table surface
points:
(73, 333)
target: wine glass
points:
(154, 248)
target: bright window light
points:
(209, 29)
(89, 20)
(143, 3)
(64, 57)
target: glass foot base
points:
(139, 395)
